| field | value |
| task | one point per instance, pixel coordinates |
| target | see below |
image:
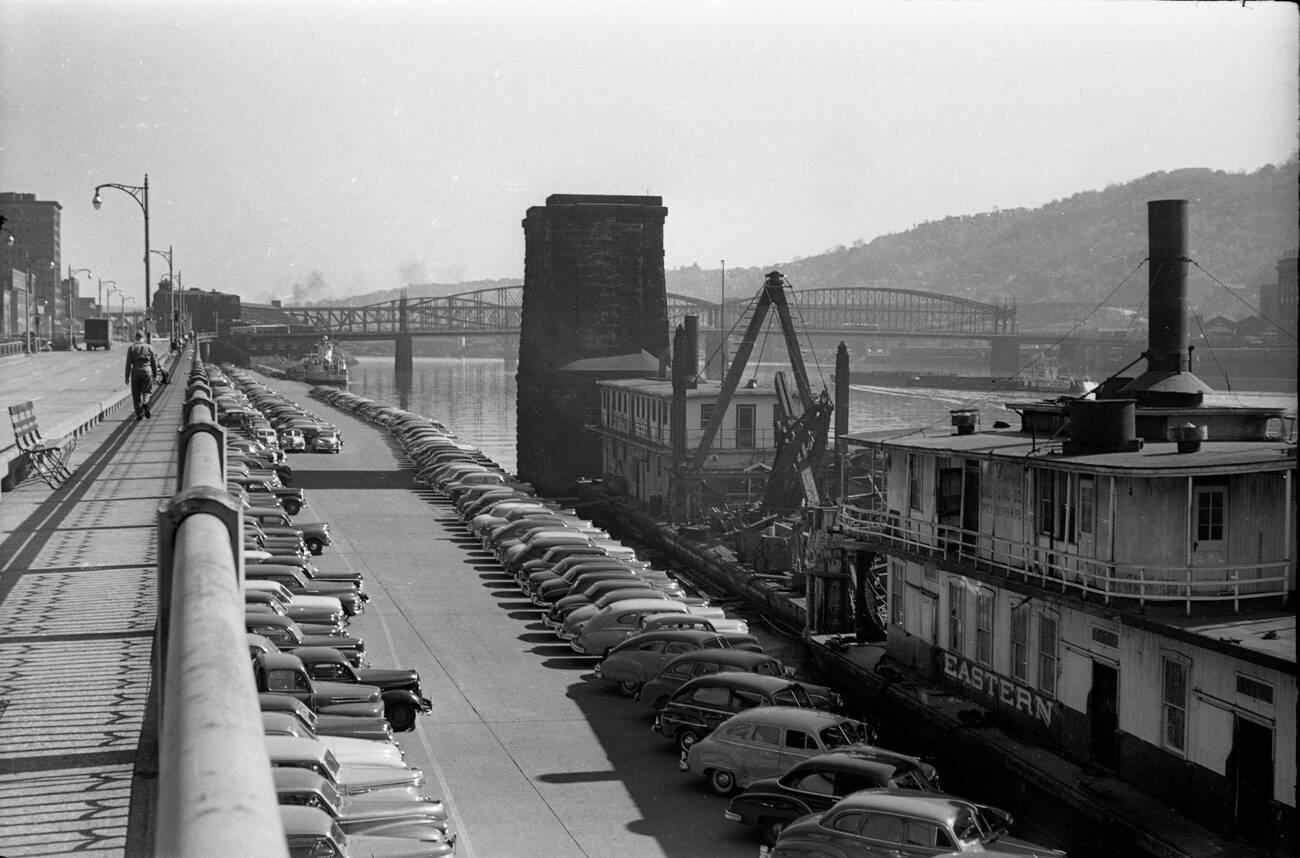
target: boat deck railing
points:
(1066, 571)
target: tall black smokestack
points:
(1168, 379)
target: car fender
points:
(402, 696)
(753, 806)
(703, 759)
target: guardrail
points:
(1063, 570)
(216, 796)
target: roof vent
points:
(1188, 436)
(965, 419)
(1102, 426)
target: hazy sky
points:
(385, 142)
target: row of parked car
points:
(804, 775)
(344, 787)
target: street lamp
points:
(74, 293)
(139, 193)
(171, 284)
(110, 284)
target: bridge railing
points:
(216, 796)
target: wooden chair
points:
(48, 458)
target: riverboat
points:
(327, 364)
(1114, 578)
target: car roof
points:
(738, 679)
(787, 716)
(300, 819)
(281, 661)
(289, 778)
(730, 657)
(688, 635)
(849, 763)
(938, 807)
(632, 604)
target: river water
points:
(475, 397)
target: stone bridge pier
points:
(594, 307)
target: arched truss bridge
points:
(849, 309)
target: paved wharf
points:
(78, 606)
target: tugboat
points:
(327, 364)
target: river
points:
(475, 397)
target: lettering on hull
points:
(1004, 693)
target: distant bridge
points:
(497, 311)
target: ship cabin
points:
(637, 448)
(1117, 581)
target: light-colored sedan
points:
(630, 663)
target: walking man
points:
(141, 369)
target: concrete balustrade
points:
(216, 796)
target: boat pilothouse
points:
(1115, 576)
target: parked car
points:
(634, 660)
(904, 824)
(284, 673)
(769, 804)
(346, 750)
(688, 666)
(288, 636)
(351, 779)
(313, 833)
(399, 688)
(293, 579)
(373, 813)
(764, 741)
(700, 705)
(611, 625)
(373, 727)
(327, 441)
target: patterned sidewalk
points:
(78, 606)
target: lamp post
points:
(110, 284)
(33, 334)
(171, 284)
(74, 293)
(139, 193)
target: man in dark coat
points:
(141, 369)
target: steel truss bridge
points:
(497, 312)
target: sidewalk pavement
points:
(71, 391)
(78, 607)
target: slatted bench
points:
(47, 458)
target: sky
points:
(376, 143)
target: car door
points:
(669, 650)
(798, 745)
(759, 754)
(817, 789)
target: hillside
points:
(1074, 250)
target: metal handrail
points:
(1058, 569)
(216, 796)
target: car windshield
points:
(969, 827)
(843, 733)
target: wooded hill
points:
(1073, 251)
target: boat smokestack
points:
(1168, 379)
(691, 355)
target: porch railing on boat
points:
(1060, 570)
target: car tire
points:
(629, 687)
(722, 781)
(687, 737)
(402, 717)
(315, 546)
(770, 829)
(292, 507)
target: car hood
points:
(345, 692)
(371, 846)
(385, 677)
(380, 805)
(372, 728)
(363, 752)
(1009, 845)
(355, 779)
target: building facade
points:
(635, 428)
(35, 302)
